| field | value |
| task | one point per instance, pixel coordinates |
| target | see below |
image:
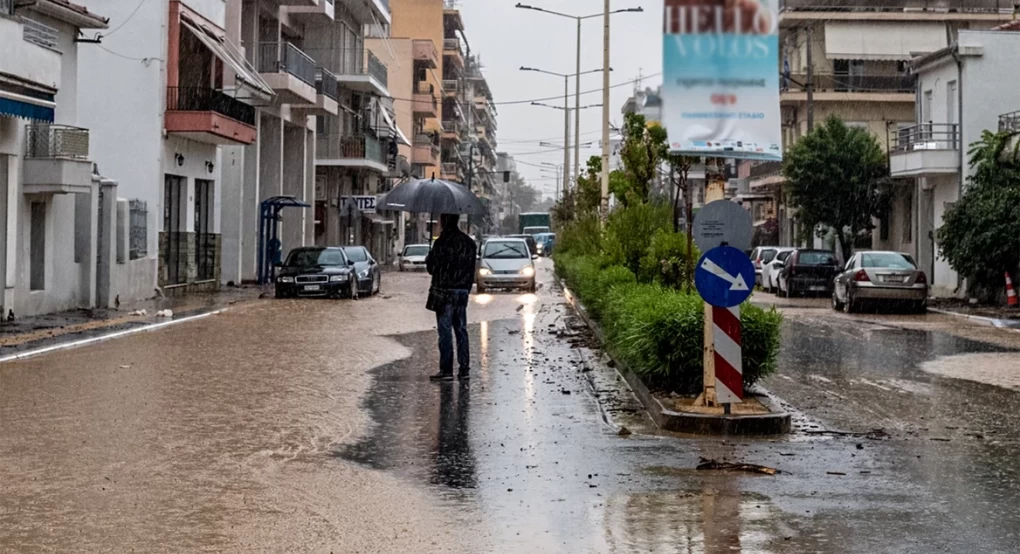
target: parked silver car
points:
(880, 276)
(506, 263)
(413, 257)
(770, 270)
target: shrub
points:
(665, 261)
(629, 230)
(582, 237)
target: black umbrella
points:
(432, 196)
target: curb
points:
(992, 322)
(776, 423)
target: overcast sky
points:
(508, 38)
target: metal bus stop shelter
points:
(270, 247)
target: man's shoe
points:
(441, 377)
(464, 375)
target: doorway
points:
(174, 190)
(205, 240)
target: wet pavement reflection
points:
(299, 426)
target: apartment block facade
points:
(860, 55)
(52, 255)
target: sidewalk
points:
(33, 332)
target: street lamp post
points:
(566, 117)
(577, 87)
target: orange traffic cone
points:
(1011, 298)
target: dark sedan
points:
(808, 271)
(366, 268)
(316, 271)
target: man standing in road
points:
(451, 263)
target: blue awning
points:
(27, 107)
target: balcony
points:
(453, 51)
(289, 71)
(765, 175)
(56, 159)
(451, 171)
(907, 6)
(451, 87)
(209, 116)
(451, 130)
(851, 88)
(327, 93)
(424, 104)
(357, 151)
(361, 71)
(425, 150)
(317, 11)
(423, 50)
(370, 12)
(926, 149)
(1010, 123)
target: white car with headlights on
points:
(506, 264)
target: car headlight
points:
(527, 271)
(337, 278)
(484, 271)
(363, 274)
(285, 280)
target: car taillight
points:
(862, 277)
(922, 279)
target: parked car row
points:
(868, 276)
(328, 271)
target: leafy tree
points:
(644, 149)
(980, 235)
(832, 176)
(521, 193)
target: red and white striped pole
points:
(729, 378)
(1011, 298)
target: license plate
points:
(312, 287)
(815, 288)
(894, 279)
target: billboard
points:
(720, 90)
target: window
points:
(356, 255)
(883, 225)
(886, 260)
(926, 107)
(138, 230)
(37, 252)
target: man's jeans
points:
(452, 320)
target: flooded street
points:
(304, 425)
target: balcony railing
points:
(424, 50)
(451, 85)
(364, 147)
(49, 141)
(326, 84)
(284, 57)
(1009, 122)
(451, 168)
(765, 169)
(378, 69)
(828, 82)
(452, 45)
(38, 33)
(897, 5)
(195, 99)
(927, 136)
(6, 7)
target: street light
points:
(558, 170)
(566, 115)
(605, 84)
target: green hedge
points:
(658, 331)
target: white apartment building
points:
(50, 247)
(860, 55)
(962, 90)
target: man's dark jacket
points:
(452, 261)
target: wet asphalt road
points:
(311, 426)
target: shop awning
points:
(880, 41)
(393, 127)
(228, 55)
(33, 108)
(377, 219)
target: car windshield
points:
(356, 254)
(885, 260)
(767, 255)
(416, 251)
(505, 250)
(310, 257)
(816, 258)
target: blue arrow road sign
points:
(724, 276)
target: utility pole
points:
(566, 131)
(605, 112)
(577, 107)
(810, 80)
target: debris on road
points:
(708, 464)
